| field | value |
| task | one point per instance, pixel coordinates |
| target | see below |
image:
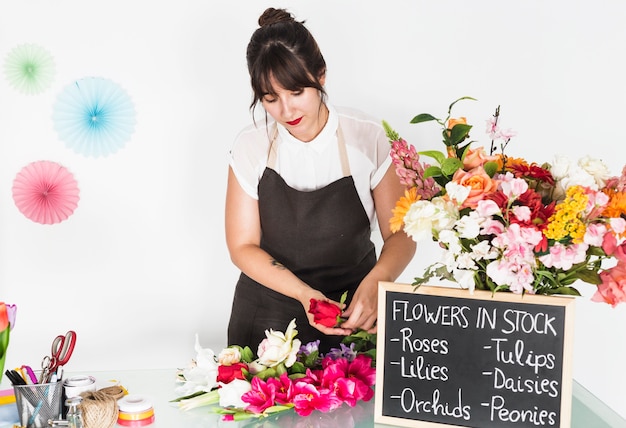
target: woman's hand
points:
(363, 310)
(305, 299)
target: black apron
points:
(322, 236)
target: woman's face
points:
(300, 112)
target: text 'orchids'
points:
(506, 224)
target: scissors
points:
(61, 351)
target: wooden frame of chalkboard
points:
(448, 357)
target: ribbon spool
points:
(134, 411)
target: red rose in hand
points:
(324, 313)
(226, 374)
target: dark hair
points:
(283, 49)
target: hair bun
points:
(272, 16)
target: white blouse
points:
(315, 164)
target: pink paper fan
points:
(45, 192)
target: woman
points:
(304, 191)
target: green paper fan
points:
(29, 68)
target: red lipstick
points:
(295, 122)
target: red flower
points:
(532, 171)
(324, 313)
(226, 374)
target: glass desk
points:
(158, 387)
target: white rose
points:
(279, 347)
(229, 356)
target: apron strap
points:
(341, 146)
(271, 156)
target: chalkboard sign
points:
(448, 357)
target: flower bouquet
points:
(507, 224)
(284, 375)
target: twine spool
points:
(116, 391)
(99, 409)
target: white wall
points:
(141, 266)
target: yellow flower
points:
(566, 220)
(402, 206)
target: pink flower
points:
(513, 188)
(261, 396)
(283, 388)
(410, 170)
(491, 227)
(307, 397)
(517, 275)
(613, 287)
(594, 234)
(565, 256)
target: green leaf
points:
(458, 133)
(569, 291)
(490, 168)
(424, 117)
(596, 251)
(247, 355)
(4, 341)
(450, 165)
(432, 171)
(460, 99)
(343, 298)
(298, 367)
(437, 155)
(589, 276)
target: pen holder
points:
(38, 403)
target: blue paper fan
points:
(94, 116)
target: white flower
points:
(230, 393)
(424, 218)
(255, 367)
(468, 226)
(279, 347)
(229, 356)
(588, 172)
(457, 193)
(596, 168)
(483, 251)
(466, 261)
(451, 240)
(465, 278)
(201, 375)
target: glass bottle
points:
(74, 414)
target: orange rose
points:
(478, 181)
(476, 157)
(452, 122)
